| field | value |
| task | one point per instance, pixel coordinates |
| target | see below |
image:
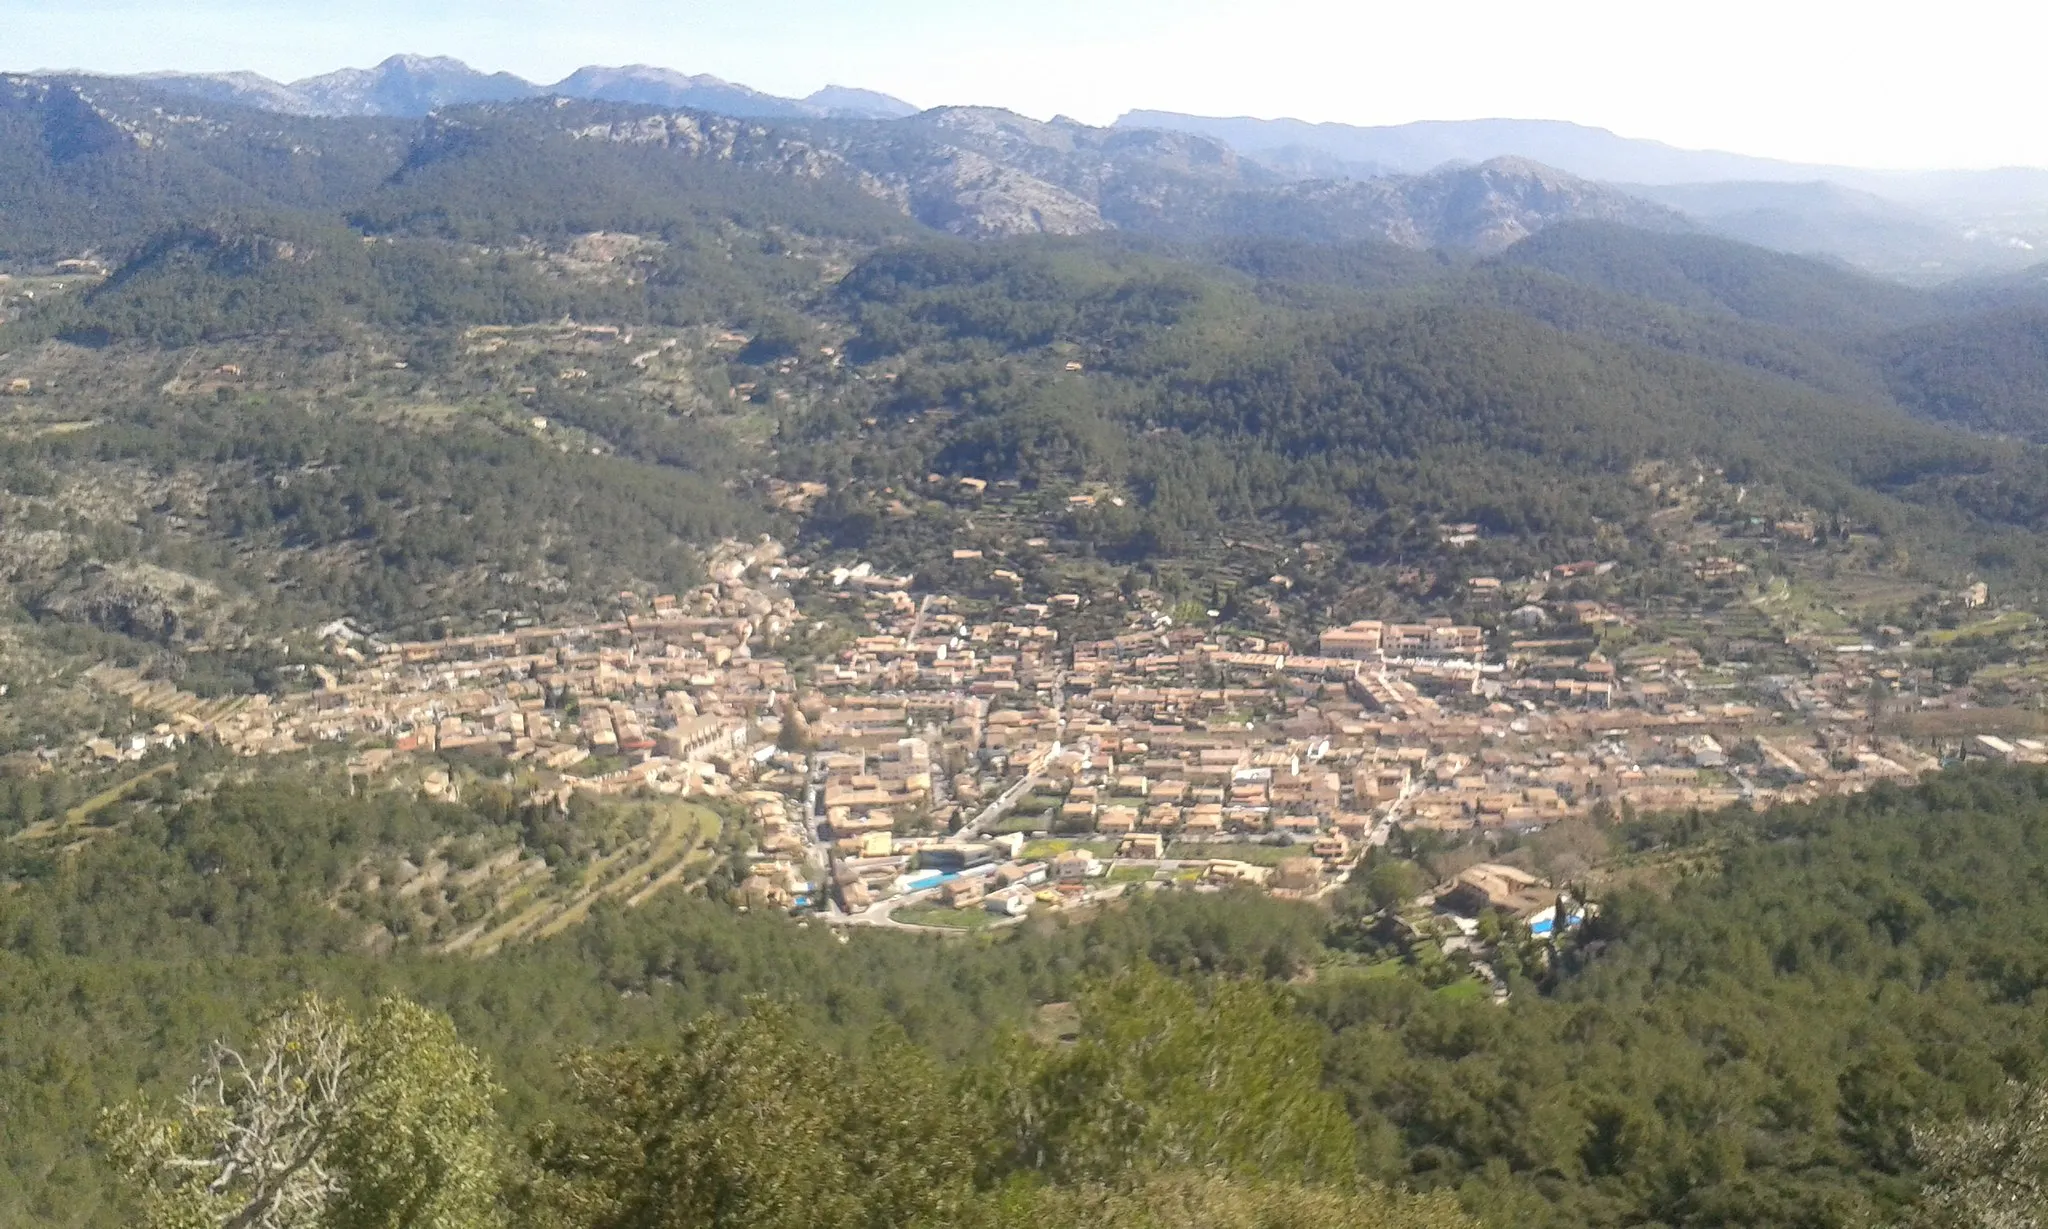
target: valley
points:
(978, 668)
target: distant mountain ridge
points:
(1915, 225)
(407, 85)
(1473, 185)
(1411, 149)
(1307, 180)
(410, 86)
(985, 172)
(969, 171)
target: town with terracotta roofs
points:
(910, 757)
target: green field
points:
(2002, 625)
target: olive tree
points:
(320, 1122)
(1989, 1172)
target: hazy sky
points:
(1876, 83)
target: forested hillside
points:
(397, 374)
(1519, 404)
(1755, 1045)
(1988, 372)
(1704, 273)
(79, 179)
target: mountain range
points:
(411, 86)
(1923, 227)
(1594, 153)
(75, 148)
(1471, 184)
(1917, 225)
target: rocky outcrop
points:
(140, 601)
(965, 193)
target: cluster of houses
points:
(1000, 875)
(1196, 735)
(666, 698)
(945, 716)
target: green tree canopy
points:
(321, 1123)
(749, 1124)
(1163, 1077)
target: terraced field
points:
(74, 821)
(164, 698)
(532, 905)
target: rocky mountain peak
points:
(851, 103)
(408, 85)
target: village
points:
(964, 763)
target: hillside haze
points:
(1924, 226)
(1408, 149)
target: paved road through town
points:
(1384, 828)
